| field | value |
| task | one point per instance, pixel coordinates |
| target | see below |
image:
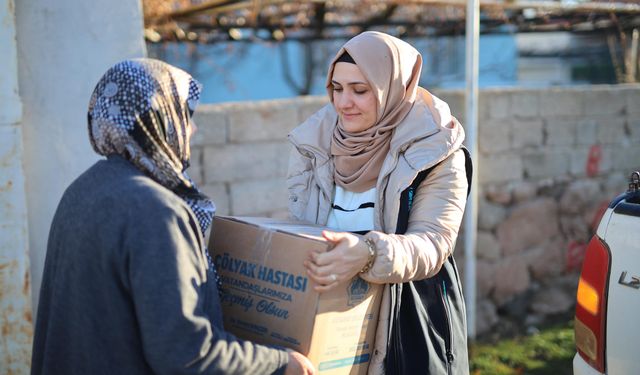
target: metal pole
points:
(471, 127)
(633, 63)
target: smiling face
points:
(353, 98)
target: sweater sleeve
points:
(171, 293)
(434, 221)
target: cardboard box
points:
(268, 298)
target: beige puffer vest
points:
(428, 137)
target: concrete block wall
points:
(240, 153)
(549, 161)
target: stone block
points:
(547, 163)
(486, 316)
(567, 282)
(633, 128)
(483, 105)
(529, 225)
(549, 260)
(485, 277)
(593, 161)
(511, 278)
(494, 136)
(632, 97)
(561, 102)
(579, 159)
(575, 228)
(212, 123)
(487, 246)
(195, 170)
(498, 193)
(611, 130)
(627, 159)
(220, 196)
(490, 215)
(560, 131)
(259, 197)
(552, 301)
(578, 196)
(524, 191)
(500, 168)
(525, 103)
(308, 105)
(494, 104)
(457, 104)
(527, 133)
(236, 162)
(607, 152)
(604, 100)
(532, 254)
(586, 132)
(594, 210)
(499, 103)
(614, 184)
(262, 121)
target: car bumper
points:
(580, 367)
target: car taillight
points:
(592, 303)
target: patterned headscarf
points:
(141, 110)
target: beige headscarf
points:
(392, 67)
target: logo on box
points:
(357, 291)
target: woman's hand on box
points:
(299, 365)
(345, 260)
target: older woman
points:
(383, 165)
(128, 287)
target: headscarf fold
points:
(392, 68)
(141, 110)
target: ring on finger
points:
(333, 277)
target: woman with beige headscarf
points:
(383, 165)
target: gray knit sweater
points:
(126, 288)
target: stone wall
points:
(549, 162)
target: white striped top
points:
(352, 212)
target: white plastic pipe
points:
(471, 127)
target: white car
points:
(607, 321)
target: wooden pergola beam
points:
(221, 6)
(548, 16)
